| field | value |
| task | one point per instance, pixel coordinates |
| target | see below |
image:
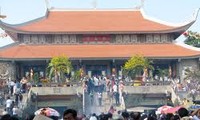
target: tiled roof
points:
(94, 21)
(96, 51)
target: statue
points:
(4, 75)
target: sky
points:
(172, 11)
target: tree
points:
(136, 65)
(77, 75)
(193, 38)
(58, 67)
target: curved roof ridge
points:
(26, 23)
(192, 19)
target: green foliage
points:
(36, 78)
(77, 75)
(193, 38)
(61, 63)
(193, 42)
(59, 66)
(135, 66)
(163, 72)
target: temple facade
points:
(99, 41)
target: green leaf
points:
(59, 65)
(135, 65)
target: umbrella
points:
(41, 117)
(173, 109)
(47, 112)
(163, 108)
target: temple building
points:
(99, 41)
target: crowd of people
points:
(11, 96)
(71, 114)
(96, 85)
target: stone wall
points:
(148, 95)
(147, 89)
(192, 64)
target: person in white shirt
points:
(93, 117)
(99, 95)
(15, 110)
(9, 103)
(12, 84)
(114, 88)
(96, 83)
(121, 90)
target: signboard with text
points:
(96, 38)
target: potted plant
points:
(136, 66)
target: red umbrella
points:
(172, 110)
(162, 109)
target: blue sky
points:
(173, 11)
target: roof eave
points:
(173, 30)
(104, 58)
(179, 29)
